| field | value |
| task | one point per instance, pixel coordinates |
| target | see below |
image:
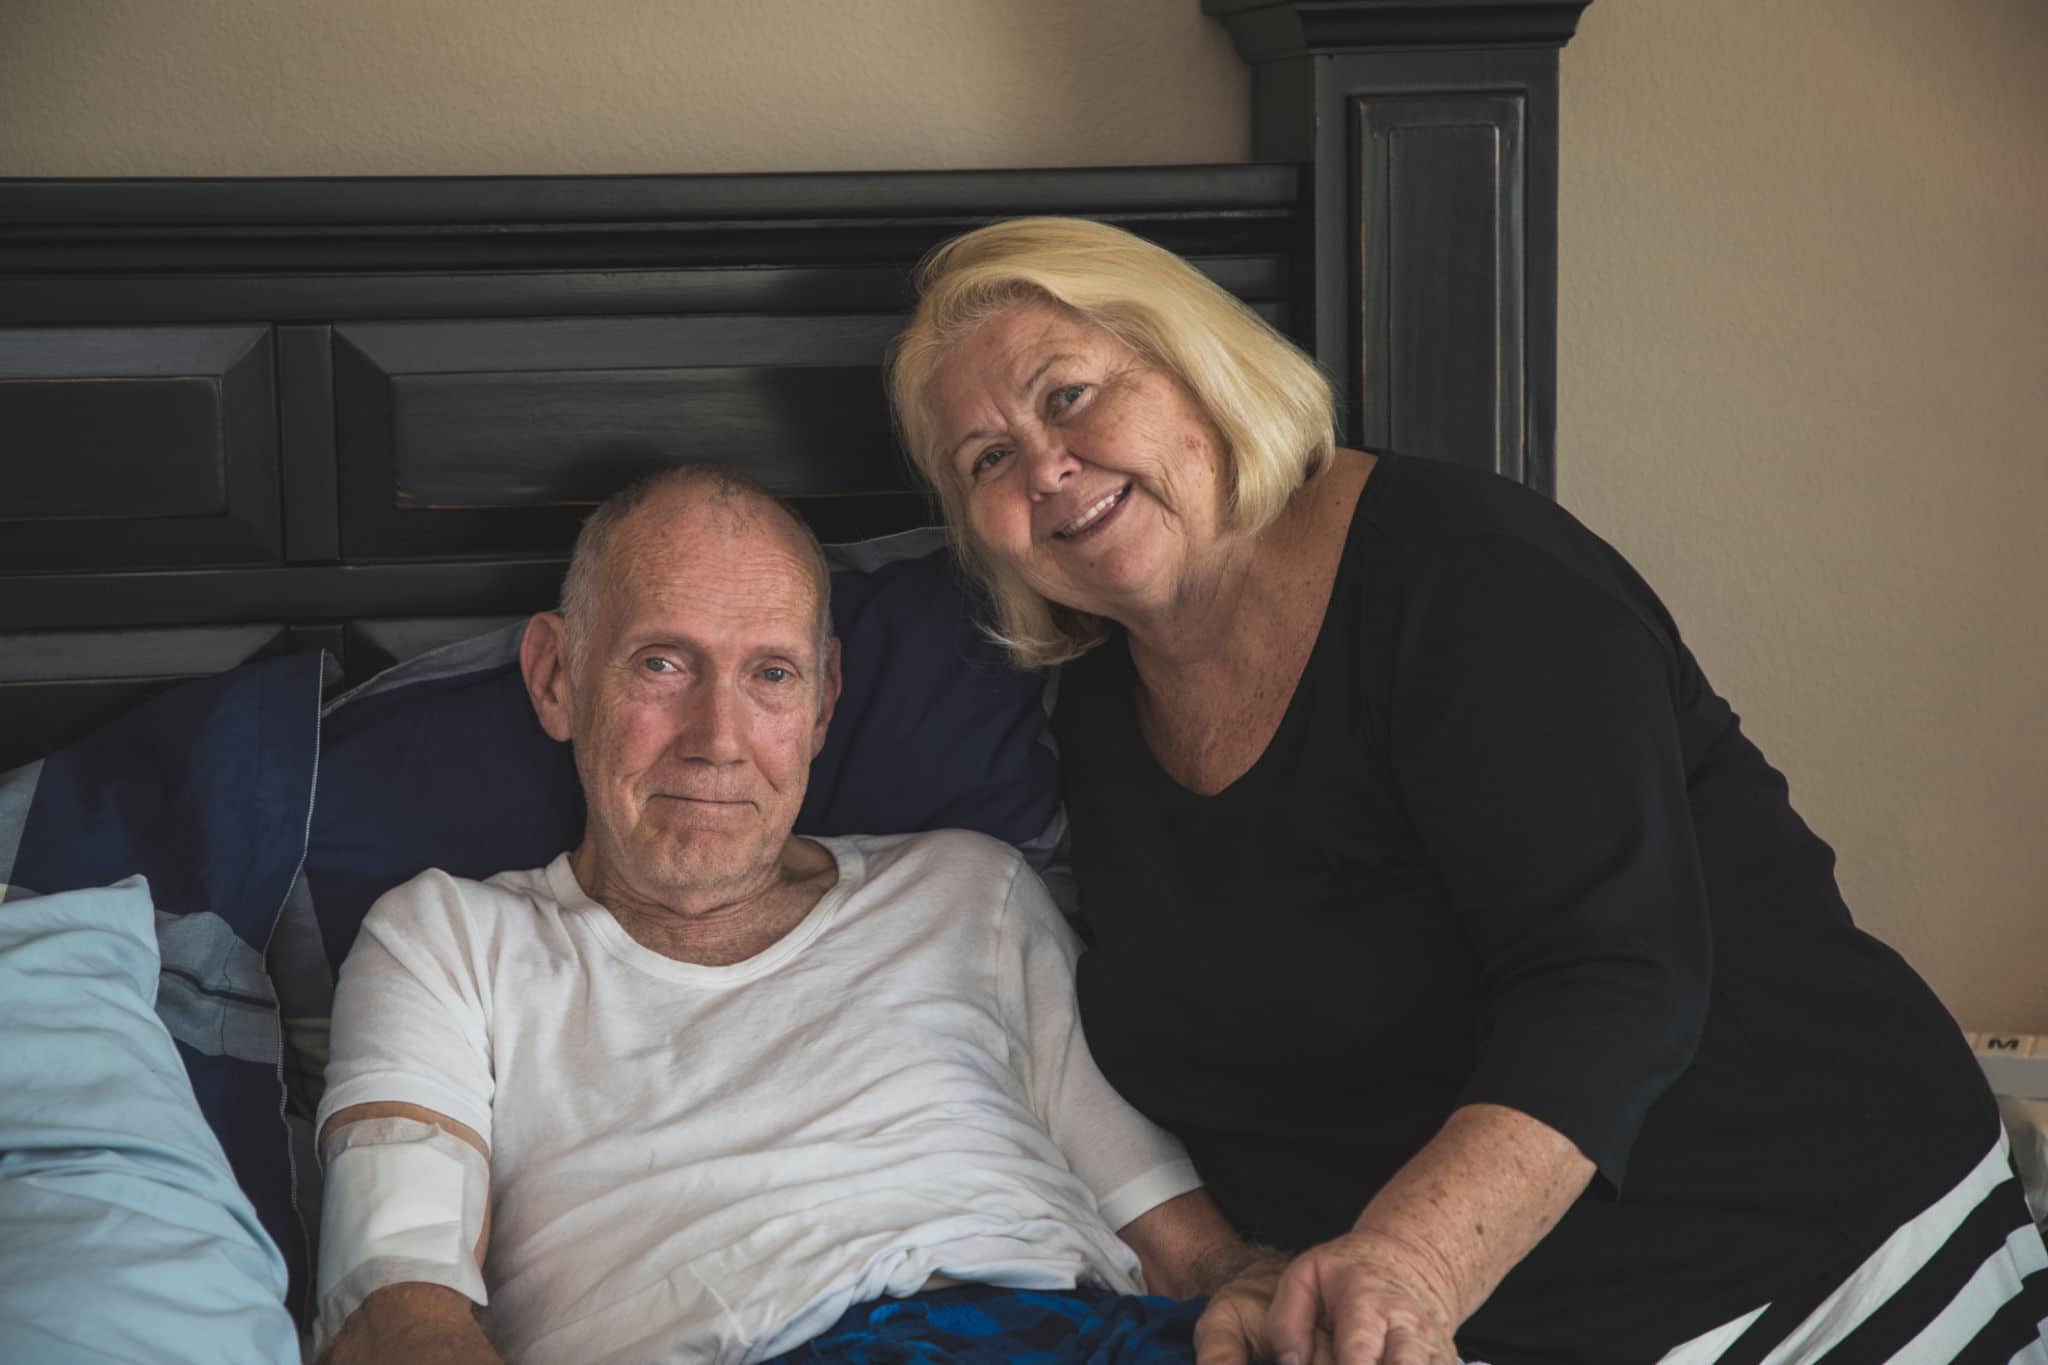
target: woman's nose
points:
(1048, 463)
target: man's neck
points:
(719, 926)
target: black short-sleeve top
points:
(1508, 846)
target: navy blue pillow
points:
(934, 729)
(205, 789)
(440, 762)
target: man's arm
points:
(411, 1321)
(405, 1129)
(1186, 1247)
(1189, 1250)
(422, 1324)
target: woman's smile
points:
(1094, 517)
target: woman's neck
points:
(1243, 602)
(1214, 611)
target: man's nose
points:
(711, 726)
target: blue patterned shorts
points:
(976, 1324)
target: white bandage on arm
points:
(404, 1203)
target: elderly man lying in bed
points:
(706, 1090)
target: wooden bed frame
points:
(245, 416)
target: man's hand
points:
(1232, 1329)
(1365, 1298)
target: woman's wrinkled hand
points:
(1364, 1299)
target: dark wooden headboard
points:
(240, 417)
(245, 416)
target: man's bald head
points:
(585, 585)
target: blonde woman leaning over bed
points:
(1436, 900)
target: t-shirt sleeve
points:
(1128, 1163)
(411, 1010)
(1533, 723)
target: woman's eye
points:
(987, 460)
(1065, 396)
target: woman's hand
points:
(1364, 1299)
(1356, 1300)
(1426, 1252)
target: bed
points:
(283, 464)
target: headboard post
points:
(1433, 132)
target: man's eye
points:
(656, 664)
(775, 673)
(987, 460)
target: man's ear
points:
(544, 662)
(828, 695)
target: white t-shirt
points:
(713, 1163)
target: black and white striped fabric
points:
(1966, 1280)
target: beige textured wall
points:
(1803, 385)
(1803, 333)
(549, 87)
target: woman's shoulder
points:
(1424, 505)
(1432, 523)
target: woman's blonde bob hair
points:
(1269, 401)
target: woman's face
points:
(1093, 473)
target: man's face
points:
(700, 699)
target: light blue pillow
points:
(123, 1235)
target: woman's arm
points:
(1424, 1254)
(1431, 1245)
